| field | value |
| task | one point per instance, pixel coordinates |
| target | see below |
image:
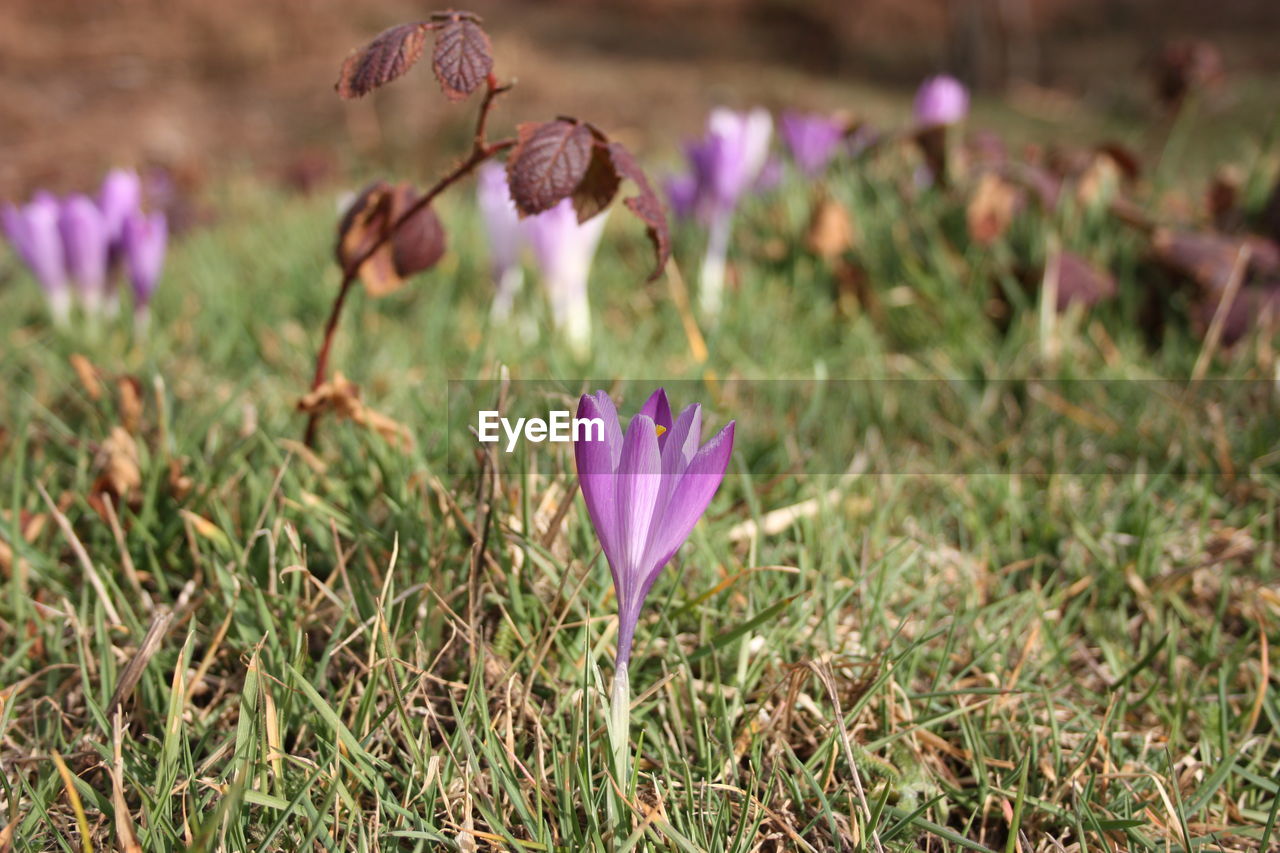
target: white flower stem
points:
(711, 278)
(620, 726)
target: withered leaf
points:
(391, 53)
(1254, 305)
(119, 476)
(547, 164)
(600, 183)
(341, 396)
(1210, 259)
(991, 209)
(416, 246)
(645, 204)
(1081, 283)
(87, 374)
(830, 232)
(462, 58)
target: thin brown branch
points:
(481, 150)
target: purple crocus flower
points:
(726, 162)
(143, 238)
(941, 100)
(120, 196)
(563, 249)
(682, 194)
(812, 138)
(85, 244)
(32, 230)
(645, 491)
(506, 235)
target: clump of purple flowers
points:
(78, 248)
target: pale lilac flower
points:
(645, 491)
(941, 100)
(682, 194)
(33, 232)
(85, 243)
(726, 163)
(728, 159)
(120, 196)
(506, 236)
(144, 238)
(563, 249)
(812, 138)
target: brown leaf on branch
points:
(548, 163)
(391, 53)
(600, 184)
(341, 396)
(462, 58)
(645, 204)
(416, 246)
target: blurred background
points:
(200, 88)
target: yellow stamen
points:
(661, 429)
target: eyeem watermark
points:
(560, 426)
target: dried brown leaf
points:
(548, 163)
(830, 233)
(341, 396)
(600, 184)
(88, 376)
(1081, 283)
(129, 391)
(119, 477)
(462, 58)
(416, 246)
(391, 53)
(646, 205)
(990, 211)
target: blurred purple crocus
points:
(120, 196)
(941, 100)
(644, 492)
(726, 163)
(143, 240)
(563, 249)
(84, 245)
(506, 236)
(32, 230)
(812, 138)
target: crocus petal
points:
(659, 411)
(143, 242)
(120, 197)
(812, 139)
(941, 100)
(682, 441)
(690, 498)
(84, 242)
(596, 462)
(682, 194)
(33, 231)
(501, 221)
(639, 480)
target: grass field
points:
(943, 645)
